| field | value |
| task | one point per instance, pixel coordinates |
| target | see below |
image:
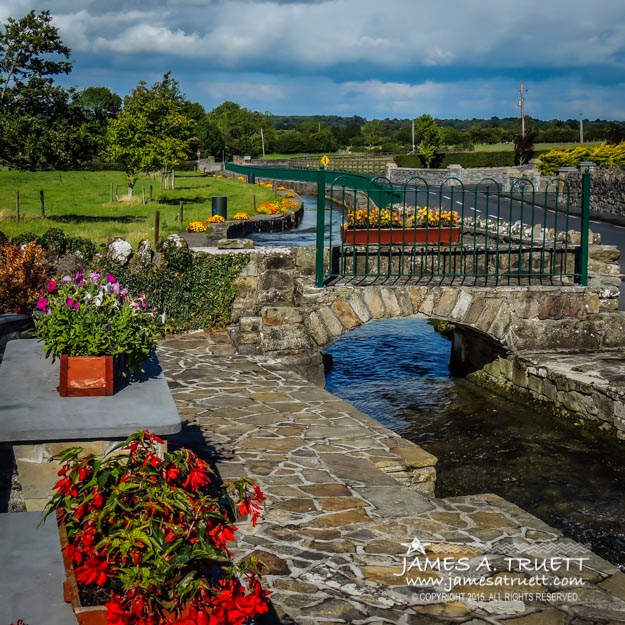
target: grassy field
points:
(80, 203)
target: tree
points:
(372, 132)
(209, 138)
(240, 128)
(34, 112)
(150, 132)
(524, 147)
(428, 138)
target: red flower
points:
(93, 571)
(196, 479)
(65, 487)
(221, 534)
(115, 613)
(171, 474)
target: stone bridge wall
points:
(278, 313)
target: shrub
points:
(85, 248)
(603, 155)
(53, 241)
(23, 274)
(4, 239)
(24, 237)
(193, 291)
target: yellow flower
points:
(197, 226)
(216, 219)
(241, 216)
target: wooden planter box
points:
(86, 376)
(400, 236)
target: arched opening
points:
(397, 371)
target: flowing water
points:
(397, 372)
(305, 233)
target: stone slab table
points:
(39, 423)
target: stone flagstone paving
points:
(348, 500)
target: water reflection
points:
(397, 372)
(305, 234)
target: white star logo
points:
(416, 546)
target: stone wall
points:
(504, 176)
(586, 389)
(607, 192)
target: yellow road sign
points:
(325, 160)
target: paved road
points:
(483, 204)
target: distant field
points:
(498, 147)
(80, 204)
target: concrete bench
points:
(32, 573)
(39, 423)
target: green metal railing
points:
(516, 236)
(481, 235)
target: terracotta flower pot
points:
(400, 236)
(86, 376)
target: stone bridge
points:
(280, 314)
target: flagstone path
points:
(350, 506)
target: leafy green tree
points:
(40, 125)
(150, 132)
(240, 128)
(428, 138)
(372, 132)
(209, 138)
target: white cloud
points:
(357, 56)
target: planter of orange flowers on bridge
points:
(406, 226)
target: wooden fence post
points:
(42, 204)
(157, 227)
(181, 212)
(17, 205)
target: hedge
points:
(468, 160)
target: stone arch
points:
(507, 316)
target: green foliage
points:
(240, 128)
(467, 160)
(150, 132)
(604, 155)
(23, 273)
(82, 247)
(40, 125)
(193, 291)
(53, 241)
(428, 138)
(94, 316)
(24, 238)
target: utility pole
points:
(413, 143)
(522, 92)
(581, 128)
(262, 139)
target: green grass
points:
(500, 147)
(80, 204)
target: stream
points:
(397, 371)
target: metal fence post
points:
(321, 206)
(585, 228)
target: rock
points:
(119, 251)
(142, 257)
(235, 244)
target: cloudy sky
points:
(374, 58)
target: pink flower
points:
(71, 303)
(110, 278)
(42, 304)
(52, 286)
(78, 278)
